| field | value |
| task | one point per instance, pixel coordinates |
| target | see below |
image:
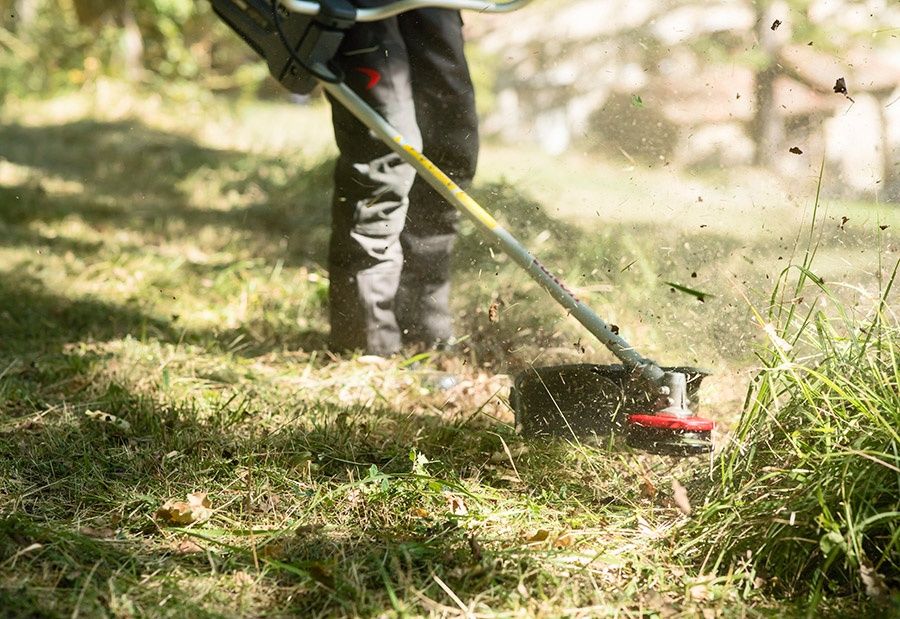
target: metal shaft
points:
(492, 229)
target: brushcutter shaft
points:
(493, 230)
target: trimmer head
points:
(586, 400)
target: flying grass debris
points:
(697, 294)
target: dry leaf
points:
(564, 540)
(195, 509)
(538, 536)
(648, 490)
(420, 512)
(456, 505)
(188, 547)
(680, 496)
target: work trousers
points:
(392, 234)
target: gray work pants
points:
(392, 234)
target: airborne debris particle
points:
(680, 497)
(775, 24)
(840, 87)
(796, 150)
(697, 294)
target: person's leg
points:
(445, 111)
(370, 197)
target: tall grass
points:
(806, 496)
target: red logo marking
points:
(373, 75)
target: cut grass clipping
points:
(806, 499)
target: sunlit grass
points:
(162, 261)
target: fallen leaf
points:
(188, 547)
(456, 505)
(795, 150)
(197, 508)
(420, 512)
(175, 512)
(680, 496)
(563, 540)
(648, 490)
(538, 536)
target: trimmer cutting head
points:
(602, 401)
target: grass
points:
(161, 262)
(807, 495)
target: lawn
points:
(163, 326)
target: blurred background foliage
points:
(53, 45)
(695, 84)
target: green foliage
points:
(62, 46)
(807, 495)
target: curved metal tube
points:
(400, 6)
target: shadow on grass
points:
(76, 510)
(168, 188)
(130, 176)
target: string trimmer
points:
(298, 40)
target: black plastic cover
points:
(582, 400)
(315, 40)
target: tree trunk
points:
(768, 124)
(132, 46)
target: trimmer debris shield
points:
(586, 400)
